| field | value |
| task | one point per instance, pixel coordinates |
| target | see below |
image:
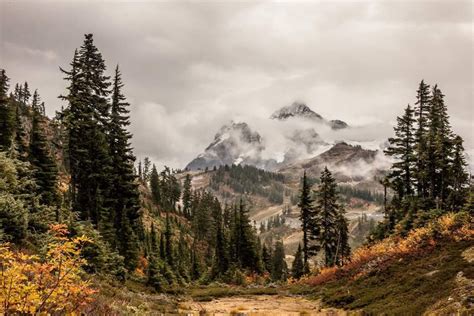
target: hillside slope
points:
(430, 271)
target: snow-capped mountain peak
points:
(234, 143)
(296, 109)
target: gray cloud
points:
(189, 67)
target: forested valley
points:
(87, 228)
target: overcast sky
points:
(190, 67)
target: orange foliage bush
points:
(29, 285)
(454, 226)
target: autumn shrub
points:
(378, 256)
(42, 286)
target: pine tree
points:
(155, 185)
(146, 170)
(124, 196)
(168, 247)
(402, 148)
(324, 229)
(279, 267)
(187, 195)
(86, 120)
(45, 169)
(20, 147)
(128, 246)
(154, 246)
(6, 117)
(247, 254)
(458, 177)
(439, 149)
(221, 258)
(422, 111)
(26, 94)
(162, 247)
(297, 270)
(267, 258)
(154, 278)
(343, 250)
(195, 264)
(306, 216)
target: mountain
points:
(237, 143)
(296, 109)
(234, 143)
(347, 162)
(301, 110)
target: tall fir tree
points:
(324, 230)
(247, 254)
(221, 258)
(402, 148)
(187, 195)
(459, 178)
(279, 267)
(439, 149)
(86, 120)
(343, 250)
(6, 116)
(306, 216)
(168, 242)
(267, 258)
(124, 193)
(155, 185)
(26, 95)
(297, 269)
(422, 111)
(40, 156)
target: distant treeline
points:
(366, 195)
(250, 180)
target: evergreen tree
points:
(20, 146)
(162, 247)
(343, 251)
(124, 193)
(187, 195)
(279, 267)
(154, 278)
(306, 216)
(146, 170)
(195, 264)
(128, 246)
(324, 230)
(26, 95)
(267, 258)
(168, 241)
(422, 112)
(154, 247)
(297, 270)
(6, 117)
(45, 169)
(155, 185)
(247, 253)
(459, 179)
(439, 149)
(402, 148)
(86, 120)
(221, 259)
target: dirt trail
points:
(261, 305)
